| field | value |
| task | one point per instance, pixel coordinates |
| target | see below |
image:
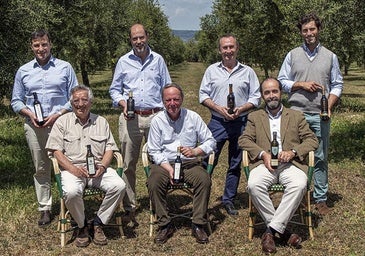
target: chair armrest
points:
(245, 163)
(57, 174)
(310, 168)
(145, 160)
(210, 164)
(118, 156)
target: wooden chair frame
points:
(64, 218)
(304, 209)
(185, 187)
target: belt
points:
(147, 112)
(220, 119)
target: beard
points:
(273, 104)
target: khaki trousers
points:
(131, 134)
(37, 139)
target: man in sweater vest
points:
(306, 72)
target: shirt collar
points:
(310, 54)
(277, 115)
(50, 62)
(91, 120)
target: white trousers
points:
(73, 188)
(295, 182)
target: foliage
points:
(266, 29)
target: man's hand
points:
(169, 169)
(286, 156)
(266, 157)
(309, 86)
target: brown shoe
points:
(322, 208)
(82, 238)
(268, 244)
(294, 241)
(163, 234)
(199, 234)
(45, 218)
(99, 236)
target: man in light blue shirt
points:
(144, 73)
(225, 126)
(179, 127)
(52, 80)
(307, 71)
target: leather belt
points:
(147, 112)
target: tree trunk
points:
(84, 74)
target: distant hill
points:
(185, 35)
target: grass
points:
(341, 233)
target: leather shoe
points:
(199, 234)
(268, 243)
(322, 208)
(294, 241)
(163, 234)
(45, 218)
(230, 209)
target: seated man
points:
(68, 142)
(172, 128)
(295, 140)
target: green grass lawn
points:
(340, 233)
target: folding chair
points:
(184, 187)
(304, 209)
(64, 218)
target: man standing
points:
(170, 129)
(50, 80)
(68, 142)
(304, 73)
(224, 125)
(295, 140)
(142, 72)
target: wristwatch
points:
(294, 151)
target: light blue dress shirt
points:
(166, 135)
(214, 85)
(52, 83)
(287, 79)
(145, 80)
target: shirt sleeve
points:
(284, 74)
(336, 83)
(18, 95)
(116, 88)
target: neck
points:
(229, 64)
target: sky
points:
(185, 14)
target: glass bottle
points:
(230, 100)
(130, 106)
(90, 161)
(178, 175)
(38, 110)
(324, 106)
(274, 151)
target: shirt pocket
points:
(98, 145)
(72, 145)
(188, 139)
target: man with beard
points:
(295, 140)
(144, 73)
(228, 125)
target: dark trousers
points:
(229, 131)
(195, 175)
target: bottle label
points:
(38, 112)
(91, 165)
(274, 162)
(177, 169)
(275, 151)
